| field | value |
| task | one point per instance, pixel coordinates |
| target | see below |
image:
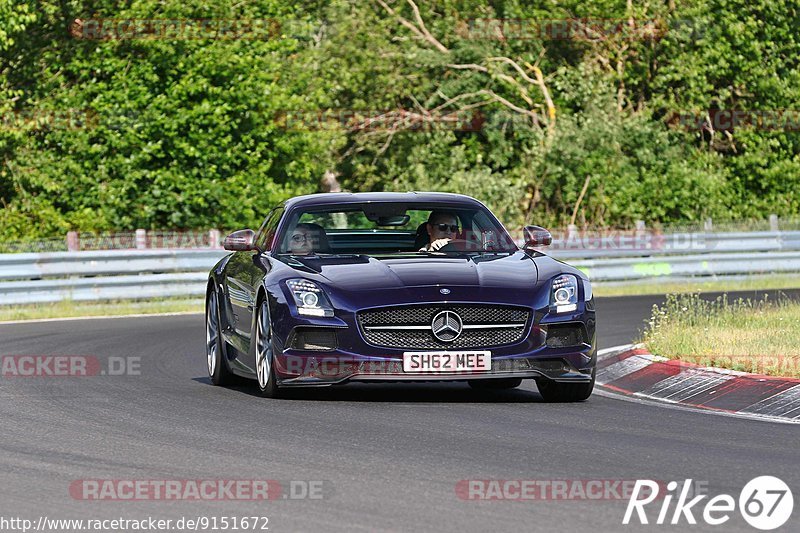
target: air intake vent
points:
(314, 339)
(565, 335)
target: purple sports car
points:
(338, 288)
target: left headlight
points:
(564, 293)
(309, 298)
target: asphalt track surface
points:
(390, 455)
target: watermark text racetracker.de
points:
(59, 366)
(564, 29)
(549, 489)
(191, 523)
(386, 120)
(711, 120)
(174, 29)
(24, 120)
(625, 240)
(121, 490)
(762, 365)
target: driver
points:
(304, 239)
(442, 228)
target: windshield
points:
(380, 229)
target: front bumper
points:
(324, 369)
(355, 360)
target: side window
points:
(268, 228)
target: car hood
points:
(362, 273)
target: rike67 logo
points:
(765, 503)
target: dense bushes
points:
(183, 133)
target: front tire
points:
(265, 370)
(216, 364)
(553, 391)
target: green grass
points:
(751, 283)
(758, 336)
(67, 309)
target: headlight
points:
(309, 298)
(564, 293)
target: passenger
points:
(305, 239)
(442, 228)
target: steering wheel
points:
(456, 245)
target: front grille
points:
(501, 325)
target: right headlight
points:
(309, 298)
(564, 293)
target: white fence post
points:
(773, 222)
(73, 241)
(213, 238)
(572, 231)
(141, 239)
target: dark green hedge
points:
(115, 134)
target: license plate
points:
(446, 361)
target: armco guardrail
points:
(106, 262)
(142, 274)
(104, 275)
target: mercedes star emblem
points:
(446, 326)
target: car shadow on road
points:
(396, 392)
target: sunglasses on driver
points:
(300, 237)
(445, 227)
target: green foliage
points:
(184, 133)
(177, 134)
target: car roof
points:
(330, 198)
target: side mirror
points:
(240, 241)
(537, 236)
